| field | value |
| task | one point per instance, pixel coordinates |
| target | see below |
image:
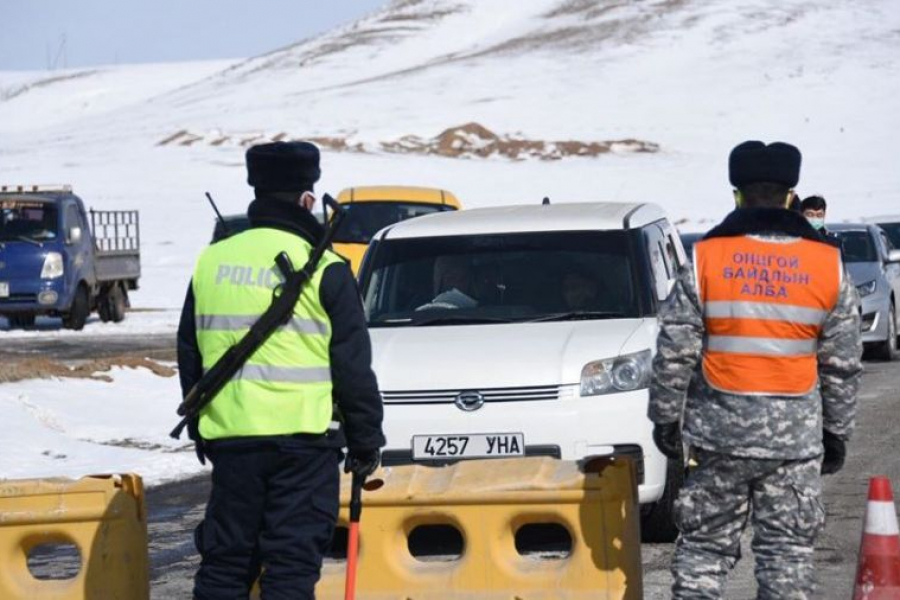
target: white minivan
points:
(524, 331)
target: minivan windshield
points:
(27, 220)
(364, 219)
(501, 278)
(857, 246)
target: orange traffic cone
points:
(878, 574)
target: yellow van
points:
(372, 208)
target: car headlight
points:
(53, 266)
(866, 288)
(620, 374)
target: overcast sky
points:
(77, 33)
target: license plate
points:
(476, 445)
(4, 289)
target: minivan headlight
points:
(866, 288)
(621, 374)
(53, 266)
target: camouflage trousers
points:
(712, 510)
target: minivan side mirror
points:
(893, 256)
(73, 235)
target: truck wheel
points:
(658, 523)
(103, 309)
(116, 301)
(21, 321)
(887, 350)
(79, 311)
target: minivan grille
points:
(512, 394)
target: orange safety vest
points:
(764, 304)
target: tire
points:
(117, 301)
(888, 350)
(79, 311)
(112, 304)
(103, 309)
(21, 321)
(658, 522)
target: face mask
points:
(816, 222)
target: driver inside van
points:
(453, 284)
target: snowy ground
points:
(695, 77)
(76, 427)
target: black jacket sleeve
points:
(355, 387)
(190, 363)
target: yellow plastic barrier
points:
(103, 517)
(488, 502)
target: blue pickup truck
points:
(58, 259)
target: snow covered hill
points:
(691, 77)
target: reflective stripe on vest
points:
(764, 303)
(763, 311)
(285, 387)
(737, 344)
(240, 322)
(283, 374)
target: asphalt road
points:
(175, 509)
(82, 347)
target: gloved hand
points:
(362, 463)
(835, 453)
(668, 439)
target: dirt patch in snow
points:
(471, 140)
(43, 368)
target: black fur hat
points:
(754, 162)
(283, 166)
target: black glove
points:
(835, 453)
(668, 439)
(362, 463)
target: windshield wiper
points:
(578, 315)
(459, 319)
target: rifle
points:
(284, 298)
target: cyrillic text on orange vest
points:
(764, 304)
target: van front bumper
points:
(35, 296)
(570, 428)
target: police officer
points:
(271, 433)
(770, 317)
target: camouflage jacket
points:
(754, 426)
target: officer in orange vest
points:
(757, 367)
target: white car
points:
(524, 330)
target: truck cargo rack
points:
(116, 231)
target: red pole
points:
(352, 554)
(353, 536)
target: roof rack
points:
(26, 189)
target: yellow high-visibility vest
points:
(285, 386)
